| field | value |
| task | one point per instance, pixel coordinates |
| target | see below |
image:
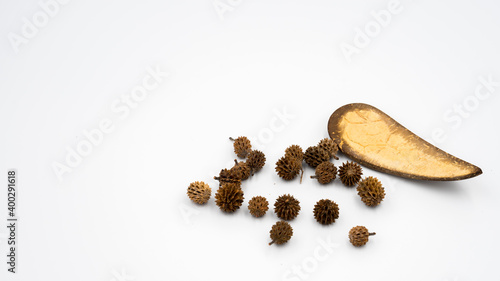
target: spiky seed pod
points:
(350, 173)
(256, 160)
(199, 192)
(281, 232)
(228, 176)
(329, 146)
(229, 197)
(315, 156)
(241, 170)
(242, 146)
(371, 191)
(358, 235)
(295, 151)
(288, 168)
(326, 211)
(325, 173)
(258, 206)
(286, 207)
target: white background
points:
(123, 214)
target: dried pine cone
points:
(241, 170)
(329, 146)
(228, 176)
(350, 173)
(199, 192)
(371, 191)
(256, 160)
(325, 172)
(315, 156)
(288, 168)
(229, 197)
(359, 235)
(242, 146)
(326, 211)
(281, 232)
(295, 151)
(258, 206)
(286, 207)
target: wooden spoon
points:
(374, 139)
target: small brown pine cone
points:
(371, 191)
(358, 235)
(315, 156)
(326, 211)
(227, 176)
(229, 197)
(281, 232)
(241, 170)
(325, 173)
(287, 207)
(258, 206)
(350, 173)
(256, 160)
(242, 146)
(329, 146)
(199, 192)
(288, 168)
(295, 151)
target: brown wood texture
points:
(374, 139)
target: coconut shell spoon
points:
(374, 139)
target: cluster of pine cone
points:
(229, 196)
(318, 157)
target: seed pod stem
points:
(371, 233)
